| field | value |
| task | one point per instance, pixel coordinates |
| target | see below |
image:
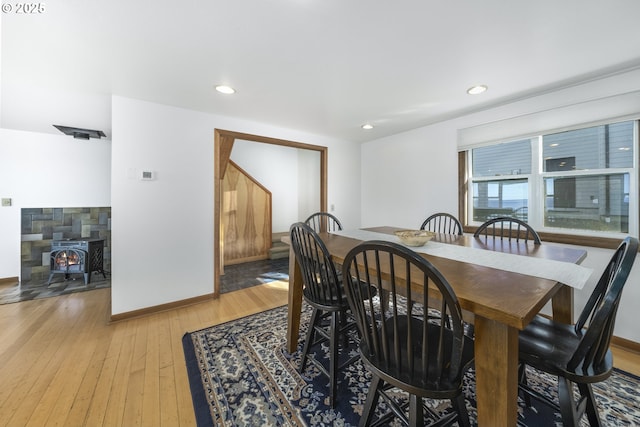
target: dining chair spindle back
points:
(578, 354)
(508, 228)
(442, 222)
(402, 343)
(323, 221)
(323, 291)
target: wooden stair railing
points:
(246, 217)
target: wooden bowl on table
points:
(415, 237)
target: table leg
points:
(496, 363)
(562, 305)
(295, 302)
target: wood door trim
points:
(223, 144)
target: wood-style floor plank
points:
(64, 386)
(626, 360)
(45, 351)
(115, 410)
(169, 413)
(134, 398)
(183, 400)
(78, 414)
(63, 364)
(151, 381)
(100, 398)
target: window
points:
(573, 182)
(499, 188)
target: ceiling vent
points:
(80, 133)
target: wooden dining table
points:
(500, 303)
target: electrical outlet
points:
(6, 202)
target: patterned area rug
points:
(241, 375)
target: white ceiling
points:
(319, 66)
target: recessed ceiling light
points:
(475, 90)
(225, 89)
(367, 126)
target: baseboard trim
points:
(626, 344)
(9, 280)
(159, 308)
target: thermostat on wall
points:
(147, 175)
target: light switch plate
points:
(6, 202)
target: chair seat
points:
(365, 288)
(549, 346)
(338, 302)
(416, 380)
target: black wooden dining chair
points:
(322, 290)
(442, 222)
(323, 221)
(508, 228)
(403, 344)
(578, 354)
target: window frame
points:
(536, 189)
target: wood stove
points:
(82, 256)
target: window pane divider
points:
(556, 205)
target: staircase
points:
(278, 249)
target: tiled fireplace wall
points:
(42, 225)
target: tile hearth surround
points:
(39, 226)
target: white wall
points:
(407, 176)
(308, 183)
(46, 170)
(162, 230)
(286, 172)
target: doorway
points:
(223, 145)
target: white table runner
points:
(570, 274)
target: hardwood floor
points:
(61, 364)
(626, 360)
